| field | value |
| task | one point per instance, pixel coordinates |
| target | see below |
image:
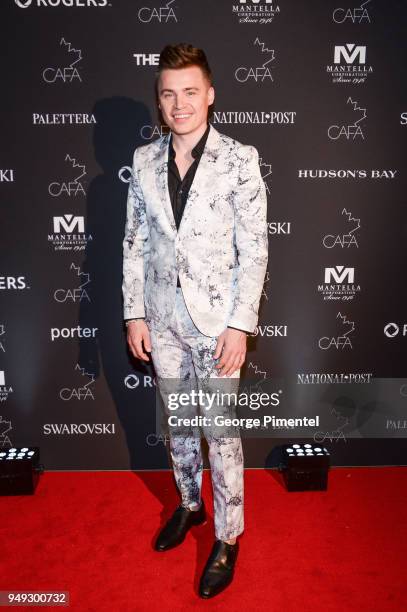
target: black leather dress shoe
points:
(176, 528)
(219, 569)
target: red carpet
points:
(91, 533)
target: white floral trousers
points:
(183, 360)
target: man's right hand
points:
(138, 335)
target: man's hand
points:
(232, 346)
(138, 335)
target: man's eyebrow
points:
(185, 89)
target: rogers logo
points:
(67, 3)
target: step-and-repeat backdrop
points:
(319, 89)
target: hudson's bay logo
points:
(5, 390)
(255, 117)
(351, 131)
(255, 11)
(73, 186)
(357, 14)
(346, 240)
(342, 173)
(69, 233)
(63, 3)
(70, 71)
(341, 341)
(74, 294)
(80, 391)
(257, 73)
(162, 14)
(339, 284)
(7, 176)
(349, 64)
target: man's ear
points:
(211, 95)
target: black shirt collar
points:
(198, 148)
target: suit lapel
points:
(206, 165)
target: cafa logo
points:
(349, 64)
(69, 72)
(346, 240)
(5, 428)
(74, 186)
(266, 172)
(255, 11)
(2, 338)
(342, 340)
(257, 73)
(77, 293)
(80, 391)
(339, 284)
(148, 132)
(162, 14)
(357, 14)
(348, 131)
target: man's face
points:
(184, 96)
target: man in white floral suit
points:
(195, 254)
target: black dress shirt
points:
(179, 188)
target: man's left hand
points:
(232, 346)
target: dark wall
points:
(77, 99)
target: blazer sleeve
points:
(251, 241)
(136, 248)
